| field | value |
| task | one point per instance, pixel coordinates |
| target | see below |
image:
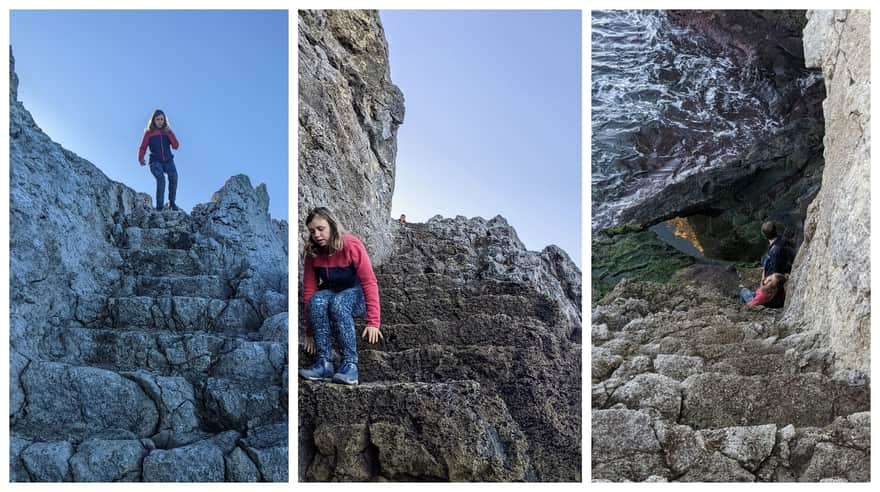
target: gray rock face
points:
(705, 389)
(463, 303)
(135, 335)
(833, 262)
(349, 112)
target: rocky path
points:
(689, 386)
(172, 378)
(478, 377)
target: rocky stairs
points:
(690, 386)
(471, 382)
(170, 379)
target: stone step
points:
(396, 431)
(156, 238)
(182, 314)
(628, 445)
(809, 399)
(457, 306)
(195, 355)
(138, 404)
(160, 262)
(208, 286)
(166, 219)
(477, 329)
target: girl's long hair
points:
(336, 231)
(151, 125)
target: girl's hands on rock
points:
(372, 333)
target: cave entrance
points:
(712, 238)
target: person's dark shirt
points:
(776, 262)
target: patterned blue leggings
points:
(337, 310)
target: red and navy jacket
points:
(160, 143)
(342, 270)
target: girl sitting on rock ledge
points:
(338, 284)
(771, 293)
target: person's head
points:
(768, 229)
(325, 232)
(157, 120)
(402, 218)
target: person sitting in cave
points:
(338, 285)
(771, 293)
(780, 254)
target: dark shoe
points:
(159, 208)
(320, 371)
(174, 207)
(348, 374)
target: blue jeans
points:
(159, 170)
(335, 311)
(746, 295)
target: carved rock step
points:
(177, 313)
(453, 306)
(475, 329)
(138, 404)
(138, 238)
(210, 286)
(157, 220)
(448, 431)
(198, 457)
(192, 355)
(629, 445)
(160, 262)
(809, 399)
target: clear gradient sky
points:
(493, 119)
(91, 79)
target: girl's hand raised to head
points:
(372, 333)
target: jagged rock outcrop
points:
(478, 376)
(830, 285)
(137, 345)
(692, 386)
(349, 112)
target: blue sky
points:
(91, 79)
(493, 119)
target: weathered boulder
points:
(833, 262)
(108, 461)
(349, 112)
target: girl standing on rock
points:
(160, 139)
(338, 285)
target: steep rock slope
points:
(691, 386)
(830, 288)
(478, 377)
(144, 346)
(349, 112)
